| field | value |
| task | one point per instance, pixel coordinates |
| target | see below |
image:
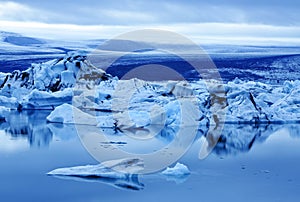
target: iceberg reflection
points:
(33, 126)
(234, 139)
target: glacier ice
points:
(107, 172)
(65, 114)
(48, 84)
(134, 103)
(9, 102)
(106, 169)
(178, 170)
(179, 173)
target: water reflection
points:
(130, 183)
(33, 126)
(234, 139)
(240, 138)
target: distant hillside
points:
(22, 41)
(19, 40)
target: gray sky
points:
(115, 16)
(129, 12)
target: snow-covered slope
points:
(18, 52)
(16, 43)
(19, 40)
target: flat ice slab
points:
(107, 172)
(109, 169)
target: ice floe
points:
(120, 173)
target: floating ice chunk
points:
(52, 76)
(88, 171)
(36, 94)
(65, 114)
(180, 89)
(241, 108)
(119, 168)
(106, 121)
(140, 118)
(178, 170)
(46, 100)
(21, 93)
(179, 173)
(9, 102)
(107, 172)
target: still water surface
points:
(249, 163)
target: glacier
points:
(104, 100)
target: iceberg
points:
(106, 172)
(178, 170)
(47, 85)
(120, 168)
(135, 103)
(46, 100)
(65, 114)
(179, 173)
(256, 102)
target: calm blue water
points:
(250, 163)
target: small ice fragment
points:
(178, 170)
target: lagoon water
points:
(260, 165)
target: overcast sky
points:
(221, 17)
